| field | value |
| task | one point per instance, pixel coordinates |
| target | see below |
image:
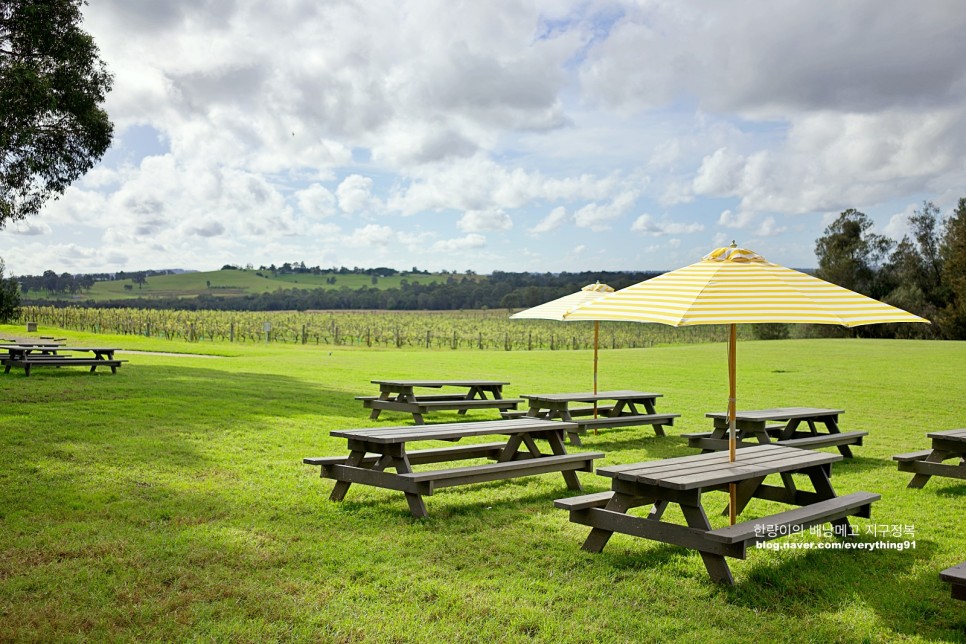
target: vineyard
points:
(482, 330)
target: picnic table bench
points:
(400, 395)
(956, 577)
(373, 450)
(781, 426)
(684, 480)
(53, 355)
(623, 412)
(946, 445)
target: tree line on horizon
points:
(924, 273)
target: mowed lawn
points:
(170, 502)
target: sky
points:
(511, 135)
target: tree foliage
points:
(953, 253)
(52, 85)
(850, 255)
(9, 297)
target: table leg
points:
(417, 506)
(833, 428)
(716, 565)
(745, 492)
(599, 537)
(341, 487)
(649, 408)
(936, 456)
(823, 488)
(558, 449)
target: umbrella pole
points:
(596, 339)
(732, 412)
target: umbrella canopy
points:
(556, 309)
(734, 286)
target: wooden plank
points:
(779, 413)
(584, 501)
(623, 394)
(628, 420)
(421, 456)
(654, 530)
(825, 440)
(705, 470)
(469, 403)
(508, 469)
(442, 383)
(933, 469)
(809, 515)
(912, 456)
(350, 474)
(953, 434)
(449, 431)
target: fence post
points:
(427, 339)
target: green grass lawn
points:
(170, 502)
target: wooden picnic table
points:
(946, 445)
(684, 480)
(626, 408)
(57, 355)
(955, 576)
(373, 450)
(781, 425)
(400, 395)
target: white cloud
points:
(599, 216)
(476, 221)
(316, 201)
(557, 218)
(355, 194)
(459, 244)
(370, 235)
(730, 219)
(648, 225)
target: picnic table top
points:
(779, 413)
(705, 470)
(450, 431)
(621, 394)
(950, 435)
(58, 347)
(442, 383)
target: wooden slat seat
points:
(625, 421)
(583, 462)
(956, 576)
(421, 456)
(856, 504)
(912, 456)
(60, 361)
(825, 440)
(584, 501)
(474, 403)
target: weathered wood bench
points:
(739, 536)
(60, 361)
(927, 463)
(374, 450)
(658, 421)
(704, 441)
(956, 577)
(683, 481)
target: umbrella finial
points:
(733, 244)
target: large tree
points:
(850, 254)
(953, 250)
(9, 297)
(53, 128)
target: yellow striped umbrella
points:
(556, 309)
(737, 286)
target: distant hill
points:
(224, 283)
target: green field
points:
(226, 283)
(169, 502)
